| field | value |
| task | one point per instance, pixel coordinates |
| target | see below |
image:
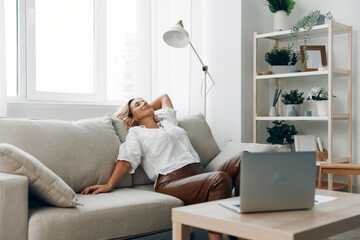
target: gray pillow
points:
(120, 129)
(44, 183)
(201, 137)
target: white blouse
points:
(159, 150)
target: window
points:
(121, 25)
(10, 7)
(78, 51)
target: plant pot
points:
(292, 110)
(281, 21)
(322, 107)
(320, 20)
(277, 69)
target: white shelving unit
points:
(325, 30)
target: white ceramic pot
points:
(289, 108)
(281, 21)
(277, 69)
(322, 107)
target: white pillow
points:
(44, 183)
(233, 148)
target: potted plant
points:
(281, 133)
(281, 10)
(320, 96)
(292, 102)
(306, 23)
(282, 60)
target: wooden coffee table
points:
(323, 220)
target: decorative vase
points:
(273, 112)
(281, 21)
(292, 110)
(278, 69)
(322, 107)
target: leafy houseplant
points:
(292, 102)
(317, 94)
(320, 96)
(278, 5)
(294, 97)
(282, 56)
(311, 19)
(281, 133)
(281, 10)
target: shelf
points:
(316, 31)
(336, 186)
(337, 71)
(303, 118)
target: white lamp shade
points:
(176, 37)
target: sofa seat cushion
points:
(120, 213)
(82, 153)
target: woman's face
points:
(141, 109)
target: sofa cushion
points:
(44, 183)
(201, 137)
(82, 153)
(233, 148)
(122, 213)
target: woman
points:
(165, 152)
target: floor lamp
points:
(178, 37)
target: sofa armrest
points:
(13, 206)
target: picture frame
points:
(305, 143)
(316, 57)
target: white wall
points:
(345, 12)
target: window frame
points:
(27, 79)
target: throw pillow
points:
(43, 182)
(233, 148)
(120, 128)
(201, 137)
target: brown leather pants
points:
(192, 185)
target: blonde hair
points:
(126, 115)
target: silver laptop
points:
(276, 181)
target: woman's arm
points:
(162, 101)
(120, 170)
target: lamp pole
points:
(205, 70)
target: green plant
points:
(281, 133)
(282, 56)
(318, 94)
(278, 5)
(306, 23)
(294, 97)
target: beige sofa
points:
(80, 154)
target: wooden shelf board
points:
(337, 71)
(316, 31)
(336, 186)
(263, 117)
(291, 75)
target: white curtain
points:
(161, 68)
(2, 62)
